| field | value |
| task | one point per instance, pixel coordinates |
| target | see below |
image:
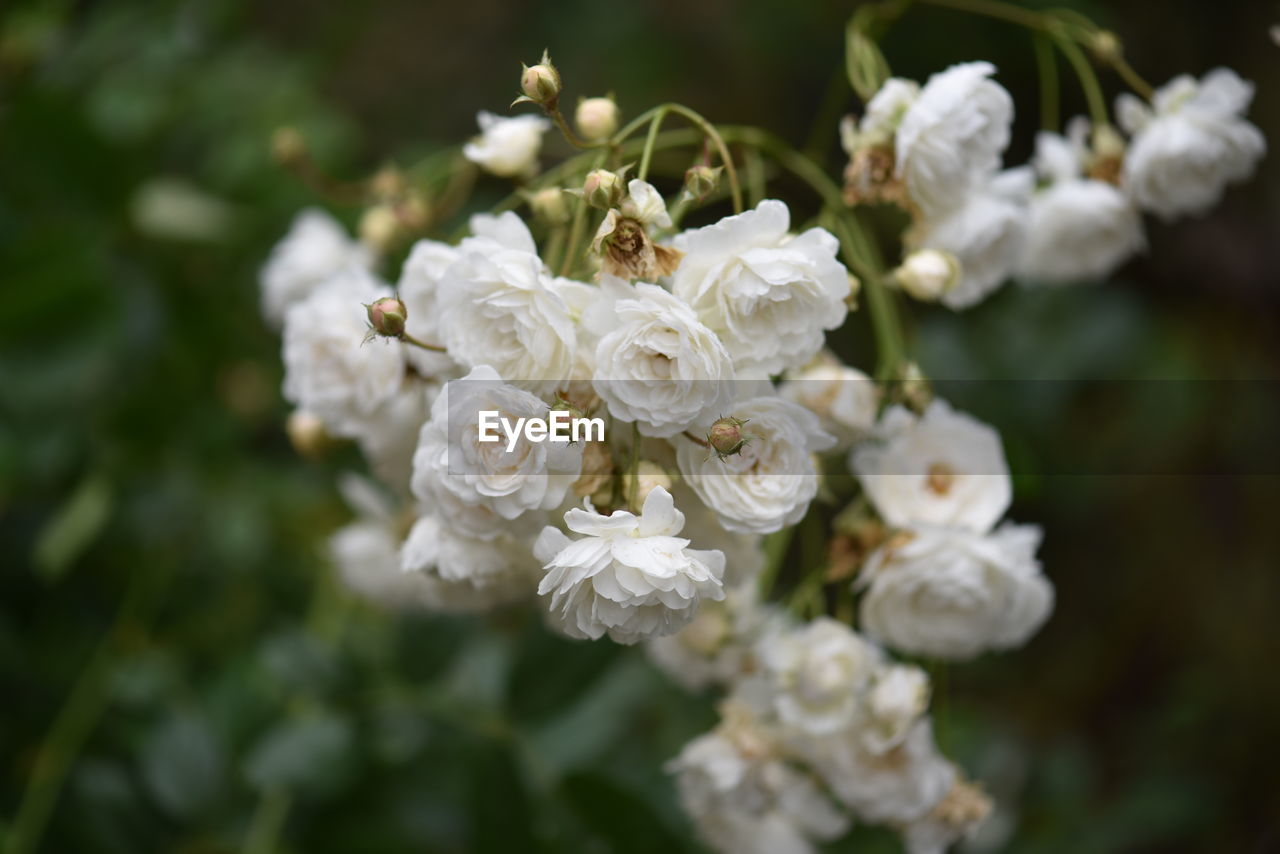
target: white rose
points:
(957, 816)
(1194, 143)
(389, 437)
(499, 307)
(365, 552)
(745, 798)
(769, 296)
(816, 675)
(844, 398)
(506, 147)
(660, 366)
(985, 233)
(899, 786)
(715, 648)
(767, 485)
(953, 594)
(942, 468)
(628, 576)
(897, 697)
(952, 136)
(531, 476)
(316, 248)
(330, 368)
(466, 574)
(419, 290)
(884, 114)
(1079, 229)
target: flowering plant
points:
(728, 422)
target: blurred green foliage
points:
(170, 632)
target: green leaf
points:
(864, 63)
(181, 765)
(74, 527)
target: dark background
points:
(167, 625)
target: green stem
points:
(576, 229)
(409, 339)
(554, 251)
(655, 124)
(1088, 79)
(735, 189)
(76, 719)
(1047, 65)
(268, 822)
(572, 138)
(993, 9)
(633, 469)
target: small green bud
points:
(541, 83)
(602, 189)
(702, 181)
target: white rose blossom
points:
(467, 573)
(419, 290)
(659, 366)
(952, 594)
(951, 137)
(941, 468)
(499, 306)
(530, 476)
(366, 551)
(316, 248)
(770, 482)
(1190, 144)
(957, 816)
(985, 233)
(768, 295)
(901, 785)
(815, 675)
(716, 646)
(896, 698)
(844, 398)
(745, 798)
(331, 369)
(628, 576)
(1079, 229)
(507, 147)
(883, 116)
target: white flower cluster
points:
(1074, 214)
(502, 333)
(702, 351)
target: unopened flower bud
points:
(550, 206)
(1106, 46)
(541, 83)
(648, 476)
(413, 212)
(726, 437)
(1107, 142)
(596, 118)
(379, 227)
(702, 181)
(602, 189)
(387, 183)
(387, 316)
(288, 146)
(927, 274)
(307, 434)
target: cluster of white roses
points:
(1074, 214)
(704, 351)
